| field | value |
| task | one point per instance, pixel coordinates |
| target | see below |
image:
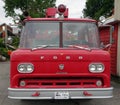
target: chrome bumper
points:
(74, 93)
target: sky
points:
(3, 19)
(75, 9)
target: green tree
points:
(97, 8)
(35, 8)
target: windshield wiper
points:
(39, 47)
(73, 46)
(42, 46)
(79, 47)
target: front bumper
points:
(72, 93)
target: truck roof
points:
(59, 19)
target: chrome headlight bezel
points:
(25, 68)
(96, 67)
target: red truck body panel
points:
(60, 70)
(48, 66)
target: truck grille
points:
(60, 82)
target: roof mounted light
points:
(61, 9)
(60, 12)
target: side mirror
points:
(111, 34)
(106, 36)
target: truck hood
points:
(51, 62)
(95, 55)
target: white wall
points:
(118, 51)
(117, 9)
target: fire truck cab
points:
(59, 58)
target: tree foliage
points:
(97, 8)
(36, 8)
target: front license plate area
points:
(61, 95)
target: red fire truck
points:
(59, 58)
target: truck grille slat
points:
(60, 82)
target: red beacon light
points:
(53, 12)
(61, 9)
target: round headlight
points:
(29, 67)
(92, 67)
(25, 68)
(100, 67)
(21, 68)
(96, 67)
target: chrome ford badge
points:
(61, 66)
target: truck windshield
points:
(59, 34)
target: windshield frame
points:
(61, 33)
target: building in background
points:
(6, 34)
(114, 20)
(5, 31)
